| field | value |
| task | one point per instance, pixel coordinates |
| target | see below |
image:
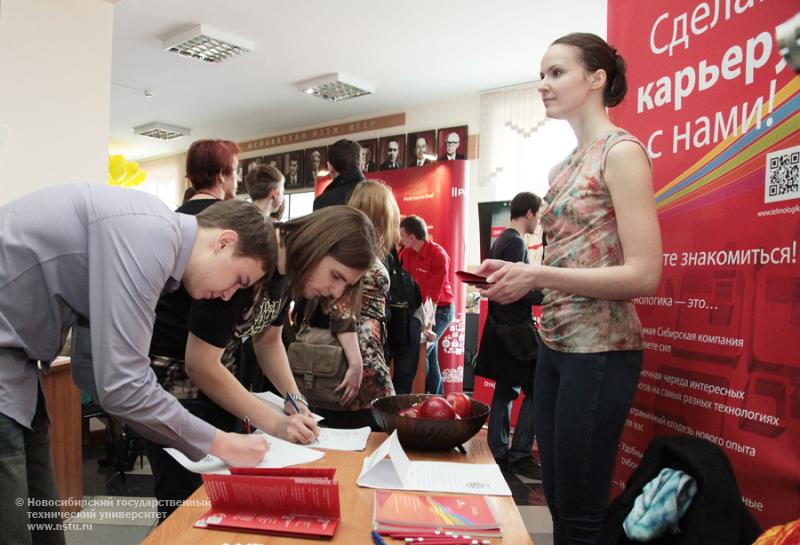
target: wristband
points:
(297, 397)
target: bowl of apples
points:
(430, 422)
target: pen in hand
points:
(246, 428)
(293, 403)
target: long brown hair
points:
(341, 232)
(376, 200)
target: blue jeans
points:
(581, 402)
(500, 423)
(433, 375)
(26, 471)
(405, 362)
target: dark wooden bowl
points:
(422, 433)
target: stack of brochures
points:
(401, 514)
(302, 502)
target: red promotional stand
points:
(437, 193)
(717, 106)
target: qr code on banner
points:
(782, 178)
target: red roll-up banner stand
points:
(711, 97)
(437, 193)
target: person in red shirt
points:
(429, 264)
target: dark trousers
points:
(581, 402)
(500, 422)
(26, 473)
(405, 362)
(433, 374)
(173, 482)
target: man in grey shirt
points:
(105, 255)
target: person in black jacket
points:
(508, 349)
(344, 160)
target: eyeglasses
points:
(452, 143)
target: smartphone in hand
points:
(471, 278)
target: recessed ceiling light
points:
(336, 87)
(162, 131)
(207, 44)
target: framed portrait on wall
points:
(453, 143)
(245, 167)
(369, 150)
(421, 148)
(275, 160)
(316, 159)
(293, 161)
(391, 152)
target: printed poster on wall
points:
(437, 194)
(717, 107)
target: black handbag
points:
(507, 352)
(404, 298)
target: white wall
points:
(55, 69)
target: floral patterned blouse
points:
(580, 226)
(377, 381)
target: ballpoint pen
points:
(293, 404)
(376, 538)
(246, 428)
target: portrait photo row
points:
(302, 167)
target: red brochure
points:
(290, 501)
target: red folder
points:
(288, 501)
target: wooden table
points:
(356, 505)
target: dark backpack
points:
(404, 298)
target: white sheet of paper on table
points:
(399, 473)
(280, 454)
(338, 439)
(276, 403)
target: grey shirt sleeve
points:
(131, 258)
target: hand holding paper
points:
(281, 454)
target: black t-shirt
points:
(510, 246)
(217, 322)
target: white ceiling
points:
(413, 51)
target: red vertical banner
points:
(437, 194)
(711, 97)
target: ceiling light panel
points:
(162, 131)
(207, 44)
(336, 87)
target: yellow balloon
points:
(116, 167)
(131, 168)
(135, 180)
(116, 170)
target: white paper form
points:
(399, 473)
(280, 454)
(337, 439)
(276, 403)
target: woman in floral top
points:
(367, 377)
(603, 249)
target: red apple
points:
(436, 408)
(461, 403)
